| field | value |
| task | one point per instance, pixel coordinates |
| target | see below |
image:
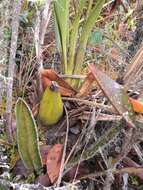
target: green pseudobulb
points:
(51, 105)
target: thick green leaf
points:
(85, 33)
(61, 11)
(74, 35)
(27, 136)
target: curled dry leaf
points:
(63, 90)
(45, 82)
(49, 75)
(54, 162)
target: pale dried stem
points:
(129, 170)
(11, 68)
(134, 70)
(42, 21)
(90, 103)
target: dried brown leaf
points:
(115, 93)
(86, 86)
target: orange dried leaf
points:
(45, 82)
(54, 162)
(51, 75)
(137, 105)
(86, 86)
(66, 91)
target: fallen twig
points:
(129, 170)
(90, 103)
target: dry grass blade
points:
(40, 30)
(134, 70)
(101, 117)
(92, 104)
(130, 163)
(42, 21)
(129, 170)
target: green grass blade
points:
(74, 36)
(86, 30)
(61, 11)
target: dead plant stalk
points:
(13, 47)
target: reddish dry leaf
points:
(54, 162)
(45, 82)
(115, 93)
(137, 105)
(86, 86)
(49, 75)
(64, 91)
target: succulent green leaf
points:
(27, 137)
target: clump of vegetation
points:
(81, 121)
